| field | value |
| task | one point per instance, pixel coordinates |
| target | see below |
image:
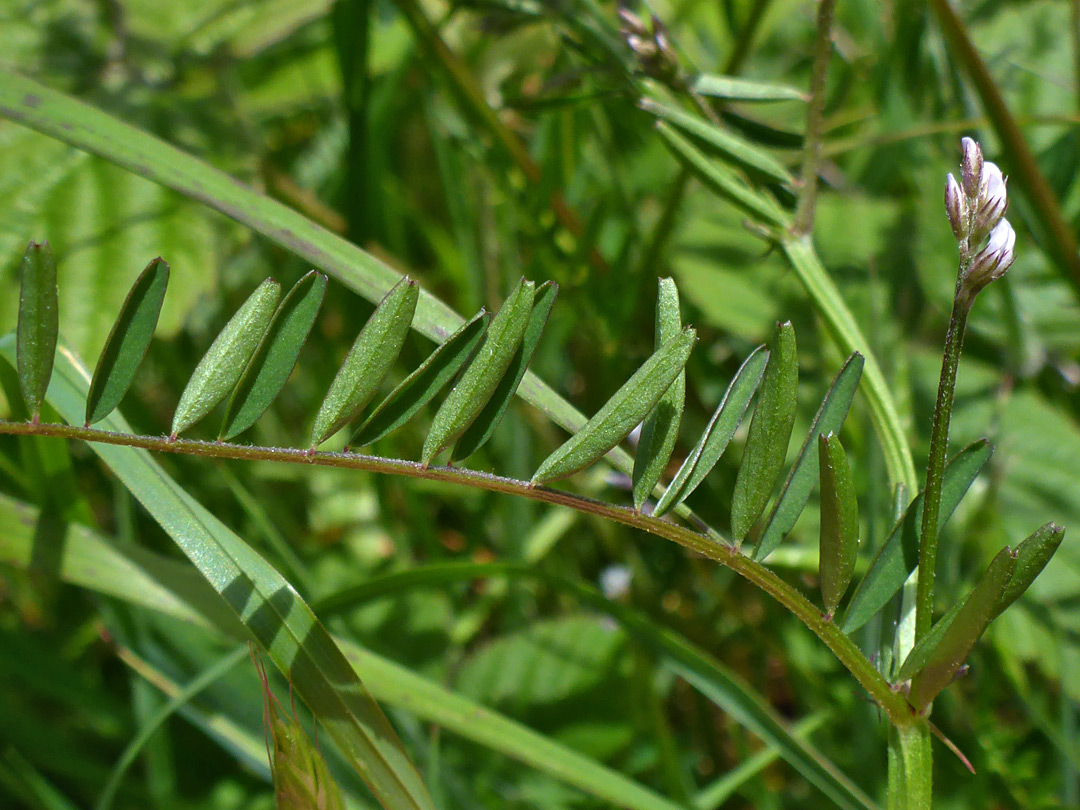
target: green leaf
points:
(728, 145)
(839, 542)
(481, 377)
(722, 180)
(263, 600)
(966, 627)
(38, 324)
(620, 414)
(770, 431)
(481, 429)
(733, 89)
(221, 368)
(368, 361)
(416, 390)
(273, 362)
(661, 428)
(717, 434)
(898, 555)
(804, 472)
(1032, 555)
(128, 341)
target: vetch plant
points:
(250, 362)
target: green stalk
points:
(911, 772)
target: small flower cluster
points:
(651, 46)
(976, 208)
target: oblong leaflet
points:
(35, 337)
(839, 538)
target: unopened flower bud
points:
(992, 201)
(971, 165)
(956, 207)
(994, 259)
(632, 23)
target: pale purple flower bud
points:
(992, 201)
(994, 259)
(971, 165)
(632, 23)
(956, 207)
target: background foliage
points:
(371, 138)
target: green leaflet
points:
(722, 180)
(368, 361)
(770, 431)
(128, 341)
(966, 627)
(732, 89)
(481, 377)
(839, 542)
(38, 325)
(416, 390)
(661, 428)
(224, 362)
(800, 481)
(477, 434)
(620, 414)
(734, 148)
(1032, 555)
(714, 440)
(898, 555)
(274, 359)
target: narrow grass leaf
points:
(660, 430)
(620, 414)
(221, 367)
(477, 434)
(966, 628)
(418, 389)
(478, 382)
(717, 434)
(722, 180)
(770, 431)
(262, 600)
(839, 539)
(733, 89)
(898, 555)
(1032, 555)
(730, 146)
(804, 472)
(274, 359)
(368, 361)
(38, 325)
(128, 341)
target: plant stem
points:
(804, 211)
(911, 767)
(893, 703)
(935, 466)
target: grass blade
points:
(221, 368)
(128, 341)
(477, 384)
(477, 434)
(966, 628)
(273, 362)
(770, 432)
(898, 555)
(734, 89)
(804, 472)
(839, 542)
(620, 414)
(266, 604)
(38, 325)
(661, 428)
(420, 387)
(731, 147)
(717, 434)
(368, 361)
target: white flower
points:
(994, 259)
(956, 207)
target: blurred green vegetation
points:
(335, 109)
